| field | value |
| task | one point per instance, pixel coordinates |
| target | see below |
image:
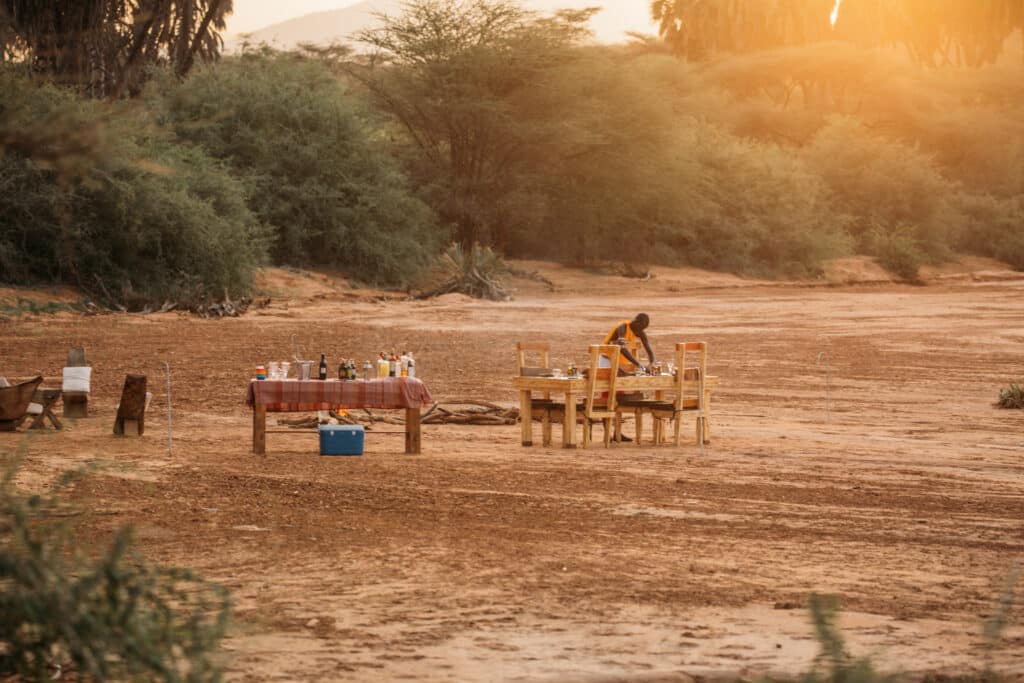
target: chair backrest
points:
(691, 364)
(532, 347)
(596, 405)
(14, 399)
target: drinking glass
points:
(273, 370)
(285, 366)
(556, 372)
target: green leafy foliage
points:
(897, 250)
(136, 219)
(834, 664)
(108, 617)
(316, 169)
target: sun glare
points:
(835, 13)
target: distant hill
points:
(610, 25)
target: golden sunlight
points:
(835, 13)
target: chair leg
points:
(678, 420)
(638, 415)
(607, 431)
(586, 432)
(545, 428)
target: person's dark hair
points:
(642, 320)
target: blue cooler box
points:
(341, 439)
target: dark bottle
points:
(323, 366)
(342, 370)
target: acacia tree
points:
(449, 72)
(101, 46)
(935, 33)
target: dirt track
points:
(482, 560)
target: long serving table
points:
(573, 388)
(294, 396)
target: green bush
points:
(1012, 396)
(143, 220)
(897, 250)
(883, 183)
(627, 178)
(994, 227)
(109, 617)
(317, 171)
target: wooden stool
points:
(47, 398)
(76, 403)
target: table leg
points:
(569, 427)
(259, 429)
(526, 416)
(707, 417)
(412, 431)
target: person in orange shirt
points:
(624, 334)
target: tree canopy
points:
(934, 32)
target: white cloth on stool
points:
(77, 379)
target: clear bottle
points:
(404, 364)
(393, 365)
(412, 365)
(367, 370)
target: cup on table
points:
(273, 370)
(556, 372)
(285, 366)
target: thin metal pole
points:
(170, 428)
(828, 382)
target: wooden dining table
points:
(295, 395)
(573, 388)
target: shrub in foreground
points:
(106, 618)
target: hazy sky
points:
(251, 15)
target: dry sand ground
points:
(481, 560)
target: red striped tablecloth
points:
(294, 395)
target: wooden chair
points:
(599, 405)
(691, 364)
(131, 411)
(14, 402)
(543, 409)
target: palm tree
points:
(101, 45)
